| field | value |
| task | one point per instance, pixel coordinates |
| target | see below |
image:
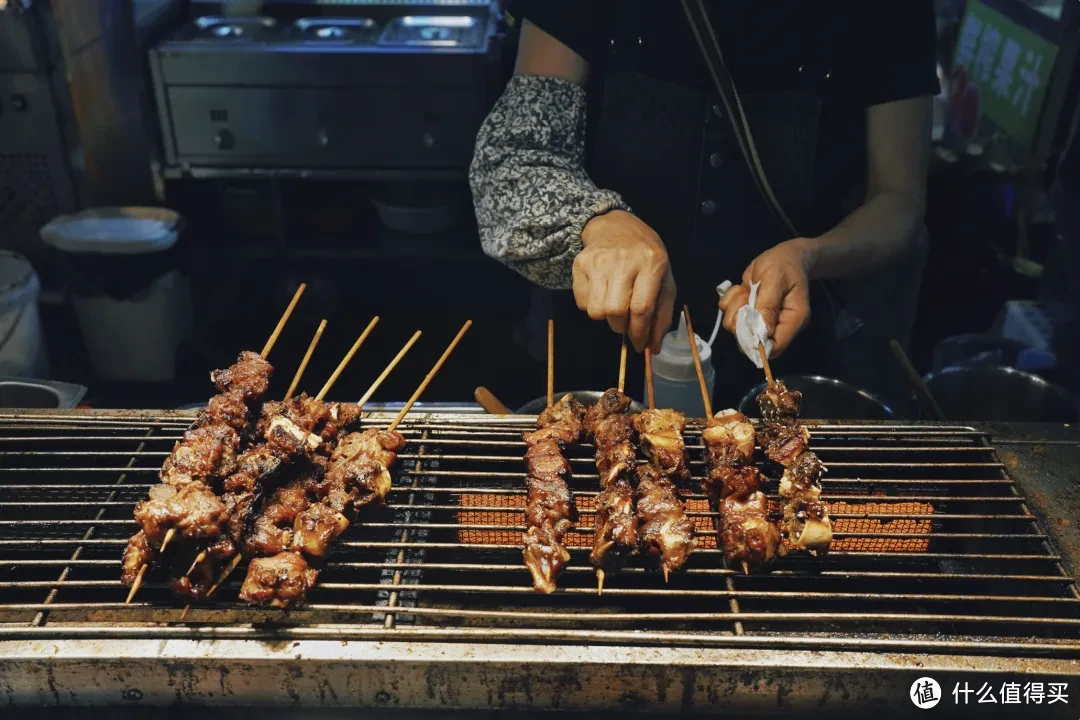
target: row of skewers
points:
(275, 482)
(639, 509)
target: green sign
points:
(1001, 72)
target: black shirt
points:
(851, 53)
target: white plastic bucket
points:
(22, 344)
(133, 308)
(136, 339)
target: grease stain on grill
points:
(934, 544)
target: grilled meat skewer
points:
(616, 531)
(664, 530)
(550, 512)
(806, 521)
(733, 482)
(186, 501)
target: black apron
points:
(670, 152)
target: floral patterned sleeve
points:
(532, 194)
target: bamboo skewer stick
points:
(393, 364)
(347, 359)
(284, 319)
(430, 376)
(304, 363)
(169, 535)
(622, 364)
(221, 578)
(136, 585)
(765, 362)
(551, 364)
(697, 365)
(649, 381)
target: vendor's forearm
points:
(868, 238)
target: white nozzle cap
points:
(675, 361)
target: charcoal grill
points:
(954, 554)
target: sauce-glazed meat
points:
(746, 535)
(249, 377)
(615, 537)
(281, 581)
(665, 532)
(805, 521)
(549, 511)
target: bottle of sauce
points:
(675, 383)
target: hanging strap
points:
(725, 88)
(845, 325)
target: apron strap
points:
(725, 87)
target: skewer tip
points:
(184, 613)
(667, 572)
(745, 568)
(198, 561)
(168, 539)
(599, 582)
(225, 574)
(136, 585)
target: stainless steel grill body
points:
(954, 553)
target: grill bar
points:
(935, 547)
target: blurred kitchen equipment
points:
(22, 344)
(419, 208)
(989, 349)
(585, 397)
(133, 306)
(1000, 394)
(26, 393)
(922, 395)
(825, 398)
(489, 402)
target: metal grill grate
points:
(934, 547)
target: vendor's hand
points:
(783, 299)
(623, 276)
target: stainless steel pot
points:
(585, 397)
(49, 394)
(825, 398)
(998, 393)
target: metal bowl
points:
(997, 393)
(825, 398)
(24, 393)
(585, 397)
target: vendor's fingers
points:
(770, 298)
(728, 298)
(643, 302)
(794, 316)
(617, 304)
(662, 315)
(596, 305)
(735, 298)
(581, 286)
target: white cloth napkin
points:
(750, 328)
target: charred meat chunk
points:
(280, 581)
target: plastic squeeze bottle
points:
(675, 381)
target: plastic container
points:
(22, 344)
(675, 382)
(133, 306)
